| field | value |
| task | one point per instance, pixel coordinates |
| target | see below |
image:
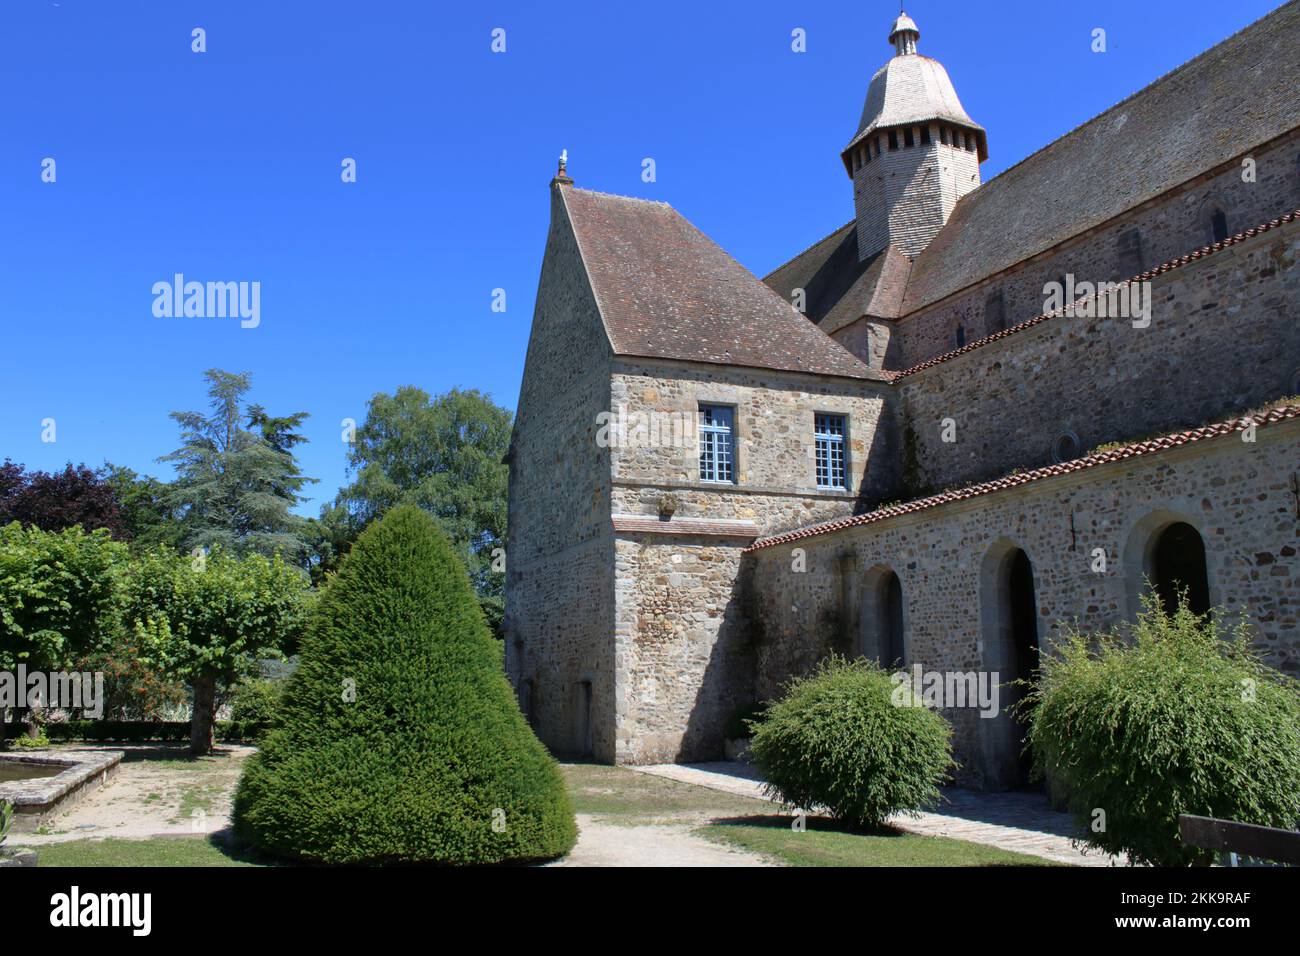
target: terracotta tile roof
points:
(1169, 266)
(1132, 450)
(666, 290)
(710, 527)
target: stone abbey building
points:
(899, 444)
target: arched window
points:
(1178, 567)
(1219, 225)
(959, 336)
(995, 312)
(1129, 254)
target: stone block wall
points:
(1238, 495)
(559, 618)
(1223, 338)
(683, 657)
(1169, 226)
(905, 196)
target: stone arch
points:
(1009, 644)
(1163, 548)
(882, 625)
(1212, 219)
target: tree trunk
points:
(205, 713)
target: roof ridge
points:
(1167, 266)
(1138, 92)
(1130, 450)
(605, 195)
(809, 248)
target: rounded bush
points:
(1180, 720)
(838, 740)
(399, 737)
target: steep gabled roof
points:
(666, 290)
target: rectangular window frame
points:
(717, 443)
(831, 451)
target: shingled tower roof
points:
(910, 89)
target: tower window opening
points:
(908, 141)
(893, 139)
(925, 136)
(943, 135)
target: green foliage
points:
(6, 820)
(400, 738)
(39, 742)
(257, 701)
(146, 509)
(214, 614)
(837, 740)
(1182, 720)
(742, 720)
(234, 485)
(445, 455)
(131, 731)
(60, 594)
(133, 689)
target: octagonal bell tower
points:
(915, 152)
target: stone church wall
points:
(1239, 496)
(1223, 338)
(560, 550)
(1169, 226)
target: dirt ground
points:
(158, 790)
(624, 818)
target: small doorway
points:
(1178, 566)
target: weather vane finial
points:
(564, 161)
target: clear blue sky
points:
(225, 166)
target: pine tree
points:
(401, 739)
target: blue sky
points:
(225, 166)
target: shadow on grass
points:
(815, 823)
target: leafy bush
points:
(1180, 721)
(837, 740)
(39, 742)
(132, 731)
(257, 701)
(6, 820)
(400, 738)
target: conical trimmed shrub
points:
(400, 739)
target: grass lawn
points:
(158, 851)
(825, 843)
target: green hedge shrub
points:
(837, 740)
(1181, 720)
(134, 731)
(257, 700)
(400, 737)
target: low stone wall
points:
(36, 802)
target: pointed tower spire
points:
(916, 151)
(904, 35)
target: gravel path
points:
(654, 844)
